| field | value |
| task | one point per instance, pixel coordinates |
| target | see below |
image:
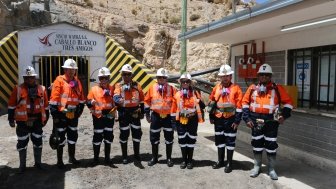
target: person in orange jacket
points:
(265, 106)
(158, 102)
(226, 111)
(186, 113)
(100, 102)
(66, 106)
(129, 97)
(28, 106)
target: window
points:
(313, 70)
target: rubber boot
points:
(220, 162)
(257, 165)
(96, 150)
(190, 158)
(271, 164)
(124, 152)
(60, 163)
(136, 148)
(169, 149)
(22, 157)
(107, 151)
(228, 167)
(155, 152)
(37, 157)
(72, 150)
(184, 157)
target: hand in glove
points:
(79, 110)
(11, 123)
(173, 122)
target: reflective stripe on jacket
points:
(102, 102)
(229, 104)
(186, 106)
(160, 103)
(132, 97)
(20, 101)
(268, 102)
(64, 95)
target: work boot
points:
(220, 162)
(96, 150)
(155, 152)
(190, 158)
(257, 165)
(22, 157)
(72, 150)
(136, 148)
(271, 164)
(60, 163)
(124, 152)
(169, 149)
(107, 151)
(228, 167)
(184, 158)
(37, 157)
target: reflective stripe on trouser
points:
(23, 132)
(127, 123)
(187, 134)
(265, 138)
(68, 127)
(155, 128)
(102, 129)
(225, 135)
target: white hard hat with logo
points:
(70, 64)
(225, 70)
(185, 76)
(104, 72)
(162, 72)
(126, 68)
(265, 68)
(29, 72)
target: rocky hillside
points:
(146, 28)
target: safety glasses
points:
(104, 78)
(265, 74)
(126, 74)
(161, 77)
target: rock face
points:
(146, 28)
(22, 14)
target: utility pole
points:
(183, 67)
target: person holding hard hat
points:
(66, 106)
(186, 113)
(28, 107)
(158, 102)
(225, 112)
(265, 106)
(129, 97)
(101, 104)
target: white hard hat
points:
(29, 72)
(162, 72)
(104, 72)
(126, 68)
(265, 68)
(225, 70)
(185, 76)
(70, 63)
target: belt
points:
(189, 114)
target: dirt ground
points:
(132, 175)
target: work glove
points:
(212, 118)
(47, 118)
(79, 110)
(11, 123)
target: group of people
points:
(263, 107)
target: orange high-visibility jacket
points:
(231, 101)
(102, 102)
(132, 97)
(160, 103)
(63, 95)
(20, 101)
(188, 105)
(266, 103)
